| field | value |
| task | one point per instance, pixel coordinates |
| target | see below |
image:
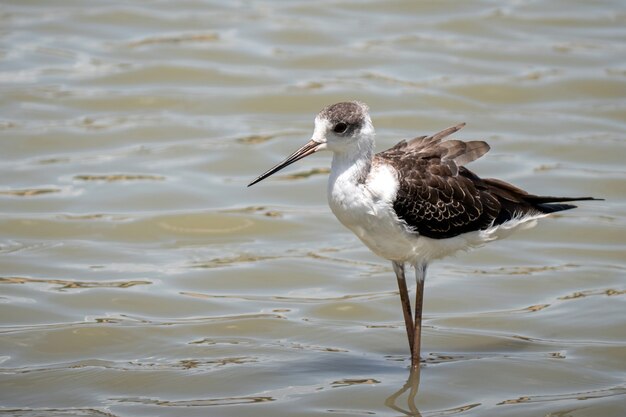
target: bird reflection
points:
(411, 385)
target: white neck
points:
(350, 167)
(353, 165)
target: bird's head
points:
(343, 127)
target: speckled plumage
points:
(440, 198)
(415, 202)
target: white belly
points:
(367, 210)
(379, 231)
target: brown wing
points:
(439, 198)
(438, 203)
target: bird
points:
(415, 202)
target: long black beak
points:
(308, 149)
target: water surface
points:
(139, 275)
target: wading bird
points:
(415, 202)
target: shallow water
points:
(139, 276)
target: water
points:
(139, 276)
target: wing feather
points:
(439, 197)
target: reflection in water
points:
(411, 385)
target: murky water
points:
(139, 276)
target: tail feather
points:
(514, 200)
(553, 208)
(547, 204)
(538, 199)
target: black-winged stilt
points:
(415, 202)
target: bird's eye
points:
(340, 127)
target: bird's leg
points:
(404, 298)
(420, 275)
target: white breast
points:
(367, 210)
